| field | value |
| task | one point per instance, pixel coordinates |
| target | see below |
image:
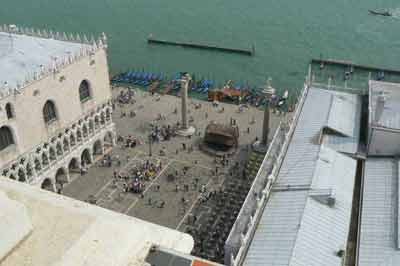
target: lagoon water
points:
(286, 33)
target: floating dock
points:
(249, 52)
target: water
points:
(286, 33)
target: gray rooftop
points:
(384, 104)
(378, 244)
(299, 225)
(344, 118)
(21, 56)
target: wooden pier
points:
(249, 52)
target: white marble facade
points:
(70, 75)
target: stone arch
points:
(98, 147)
(21, 175)
(108, 114)
(29, 170)
(6, 137)
(85, 131)
(86, 157)
(65, 144)
(96, 121)
(72, 140)
(102, 118)
(85, 92)
(49, 112)
(91, 126)
(78, 135)
(109, 139)
(38, 165)
(73, 166)
(61, 176)
(45, 159)
(9, 111)
(59, 149)
(5, 172)
(47, 184)
(52, 154)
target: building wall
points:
(28, 125)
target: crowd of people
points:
(135, 179)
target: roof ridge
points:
(88, 47)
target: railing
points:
(244, 227)
(74, 148)
(31, 155)
(343, 88)
(25, 154)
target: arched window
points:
(49, 112)
(84, 91)
(6, 137)
(9, 111)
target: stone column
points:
(265, 129)
(185, 129)
(184, 94)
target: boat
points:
(380, 13)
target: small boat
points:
(380, 13)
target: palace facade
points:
(55, 105)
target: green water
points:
(286, 33)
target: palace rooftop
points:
(19, 65)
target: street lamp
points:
(150, 142)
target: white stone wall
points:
(28, 126)
(44, 161)
(75, 154)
